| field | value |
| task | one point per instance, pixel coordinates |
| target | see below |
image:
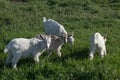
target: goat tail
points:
(6, 49)
(44, 19)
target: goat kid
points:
(21, 47)
(52, 27)
(97, 42)
(58, 42)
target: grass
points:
(83, 17)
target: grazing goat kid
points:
(52, 27)
(22, 47)
(57, 43)
(97, 42)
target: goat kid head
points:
(104, 37)
(47, 40)
(63, 37)
(70, 38)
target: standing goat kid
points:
(22, 47)
(52, 27)
(58, 42)
(97, 42)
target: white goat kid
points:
(97, 42)
(52, 27)
(22, 47)
(57, 43)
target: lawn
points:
(83, 17)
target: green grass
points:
(83, 17)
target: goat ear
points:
(70, 34)
(105, 36)
(41, 36)
(44, 19)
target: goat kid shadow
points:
(79, 54)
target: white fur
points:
(97, 42)
(52, 27)
(21, 47)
